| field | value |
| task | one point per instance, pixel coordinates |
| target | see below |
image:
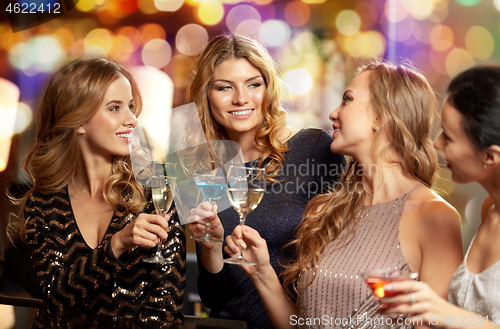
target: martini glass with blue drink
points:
(212, 185)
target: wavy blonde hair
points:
(407, 106)
(71, 98)
(225, 47)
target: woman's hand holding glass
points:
(143, 231)
(204, 220)
(416, 300)
(255, 247)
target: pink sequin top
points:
(338, 296)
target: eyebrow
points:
(115, 101)
(250, 79)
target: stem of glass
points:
(242, 222)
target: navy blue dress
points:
(309, 168)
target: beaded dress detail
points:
(477, 292)
(338, 296)
(75, 277)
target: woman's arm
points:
(278, 305)
(431, 241)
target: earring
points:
(376, 128)
(485, 166)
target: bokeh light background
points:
(318, 44)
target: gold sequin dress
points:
(75, 277)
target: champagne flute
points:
(213, 186)
(246, 187)
(161, 186)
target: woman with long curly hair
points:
(238, 93)
(381, 215)
(85, 220)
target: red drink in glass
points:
(376, 279)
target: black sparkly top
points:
(309, 167)
(75, 277)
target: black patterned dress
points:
(76, 277)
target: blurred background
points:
(317, 43)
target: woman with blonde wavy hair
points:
(381, 215)
(238, 93)
(86, 222)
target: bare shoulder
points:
(430, 210)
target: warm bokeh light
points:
(441, 37)
(210, 12)
(437, 59)
(156, 53)
(496, 3)
(190, 39)
(9, 97)
(394, 11)
(151, 31)
(168, 5)
(64, 37)
(297, 13)
(128, 6)
(479, 43)
(249, 27)
(157, 91)
(132, 34)
(425, 28)
(419, 9)
(239, 14)
(458, 60)
(122, 48)
(298, 81)
(262, 2)
(368, 45)
(148, 6)
(98, 42)
(10, 39)
(275, 33)
(313, 1)
(24, 118)
(348, 22)
(86, 5)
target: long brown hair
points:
(225, 47)
(407, 105)
(71, 98)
